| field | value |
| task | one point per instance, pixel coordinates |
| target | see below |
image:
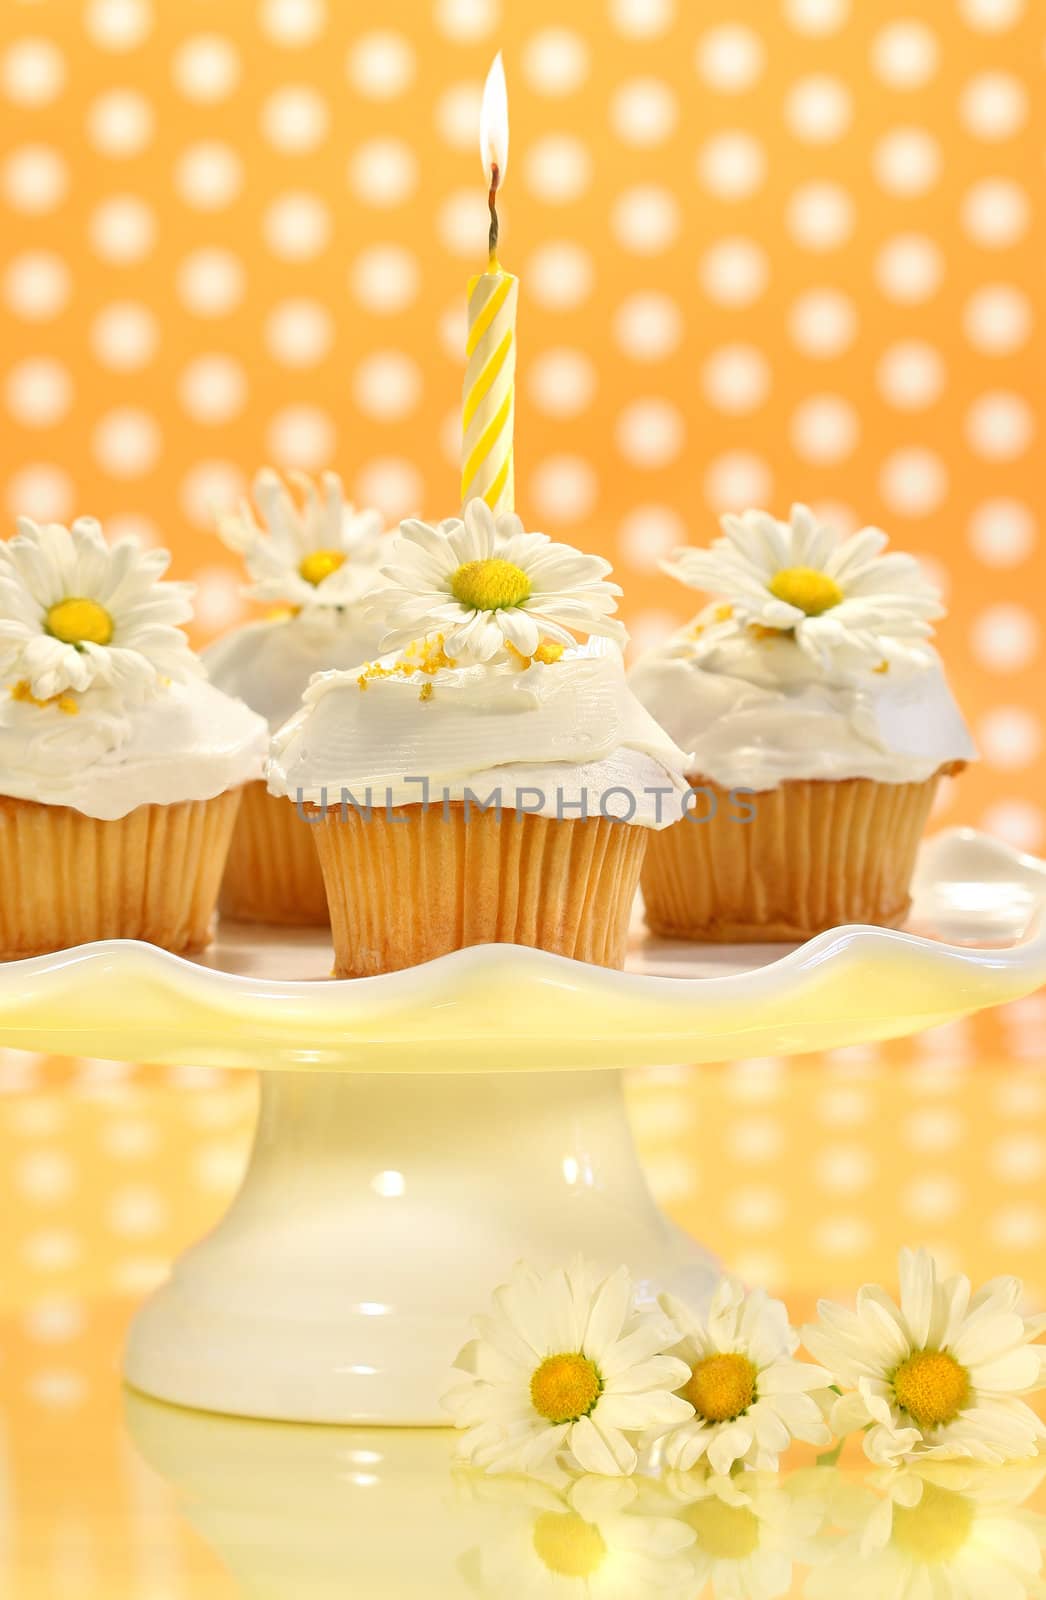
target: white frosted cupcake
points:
(121, 767)
(316, 559)
(487, 780)
(820, 722)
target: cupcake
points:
(315, 558)
(488, 779)
(121, 767)
(820, 723)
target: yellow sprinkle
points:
(884, 666)
(65, 702)
(548, 651)
(426, 692)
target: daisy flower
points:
(76, 612)
(484, 584)
(838, 599)
(312, 551)
(941, 1375)
(565, 1363)
(749, 1398)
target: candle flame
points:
(493, 123)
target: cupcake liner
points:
(68, 879)
(412, 883)
(273, 872)
(816, 854)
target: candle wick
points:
(492, 242)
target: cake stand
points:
(421, 1131)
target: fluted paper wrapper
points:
(410, 884)
(817, 853)
(273, 872)
(67, 879)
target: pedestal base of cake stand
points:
(377, 1214)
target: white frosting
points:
(188, 742)
(269, 664)
(571, 731)
(757, 712)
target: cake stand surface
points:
(421, 1131)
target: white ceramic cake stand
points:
(421, 1131)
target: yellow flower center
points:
(728, 1533)
(567, 1544)
(491, 585)
(937, 1528)
(319, 564)
(565, 1387)
(720, 1387)
(805, 587)
(77, 621)
(932, 1387)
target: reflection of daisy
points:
(750, 1398)
(941, 1375)
(949, 1530)
(835, 598)
(483, 583)
(565, 1363)
(77, 612)
(313, 551)
(749, 1530)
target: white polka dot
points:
(209, 175)
(126, 442)
(124, 336)
(820, 216)
(51, 1250)
(734, 272)
(932, 1197)
(555, 61)
(450, 438)
(218, 601)
(642, 19)
(122, 230)
(561, 382)
(643, 112)
(731, 57)
(1017, 822)
(302, 436)
(913, 481)
(129, 1140)
(906, 161)
(211, 488)
(817, 18)
(54, 1321)
(752, 1209)
(211, 281)
(1002, 533)
(736, 480)
(136, 1212)
(295, 119)
(755, 1140)
(842, 1236)
(120, 123)
(994, 106)
(731, 165)
(128, 525)
(41, 491)
(44, 1175)
(842, 1107)
(824, 429)
(1019, 1158)
(297, 226)
(559, 275)
(995, 213)
(32, 72)
(1018, 1227)
(36, 285)
(822, 323)
(991, 16)
(648, 325)
(458, 113)
(38, 392)
(299, 333)
(213, 389)
(997, 319)
(387, 385)
(206, 68)
(911, 375)
(384, 173)
(645, 219)
(453, 331)
(818, 109)
(386, 278)
(843, 1169)
(563, 488)
(909, 268)
(293, 23)
(1009, 737)
(118, 25)
(838, 515)
(905, 53)
(392, 484)
(558, 168)
(650, 629)
(60, 1389)
(34, 179)
(650, 433)
(462, 222)
(1000, 425)
(650, 533)
(466, 20)
(381, 66)
(1004, 637)
(736, 379)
